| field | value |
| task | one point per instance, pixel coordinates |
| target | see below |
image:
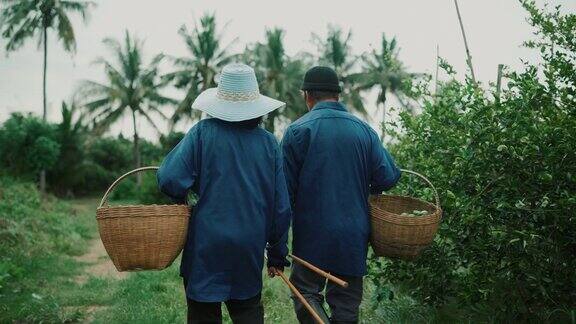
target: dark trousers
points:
(344, 303)
(248, 311)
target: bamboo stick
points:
(469, 57)
(319, 271)
(303, 300)
(499, 82)
(437, 68)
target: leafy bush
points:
(113, 154)
(507, 178)
(150, 153)
(149, 193)
(125, 190)
(106, 159)
(168, 142)
(27, 145)
(111, 157)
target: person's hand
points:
(273, 271)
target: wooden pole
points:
(437, 68)
(499, 82)
(319, 271)
(300, 297)
(469, 57)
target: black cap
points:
(321, 78)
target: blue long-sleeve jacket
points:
(243, 206)
(333, 161)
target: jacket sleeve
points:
(178, 171)
(292, 162)
(277, 247)
(385, 173)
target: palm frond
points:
(197, 71)
(21, 20)
(80, 7)
(129, 85)
(98, 106)
(16, 37)
(65, 31)
(150, 120)
(103, 123)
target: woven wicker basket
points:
(139, 237)
(404, 237)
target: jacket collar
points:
(330, 105)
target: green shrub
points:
(125, 190)
(114, 154)
(507, 178)
(168, 142)
(149, 193)
(106, 159)
(150, 153)
(27, 145)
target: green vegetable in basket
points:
(415, 213)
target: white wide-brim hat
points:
(237, 96)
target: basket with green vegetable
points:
(403, 226)
(142, 237)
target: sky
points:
(495, 30)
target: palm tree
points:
(335, 51)
(195, 73)
(71, 133)
(131, 87)
(23, 19)
(280, 77)
(384, 71)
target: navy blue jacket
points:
(332, 162)
(243, 204)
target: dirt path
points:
(98, 264)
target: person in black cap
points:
(332, 161)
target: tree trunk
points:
(269, 122)
(136, 149)
(383, 100)
(42, 181)
(44, 110)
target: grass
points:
(39, 238)
(39, 271)
(158, 297)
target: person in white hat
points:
(243, 209)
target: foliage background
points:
(503, 160)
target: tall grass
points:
(38, 237)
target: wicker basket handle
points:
(115, 183)
(428, 182)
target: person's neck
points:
(326, 100)
(321, 101)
